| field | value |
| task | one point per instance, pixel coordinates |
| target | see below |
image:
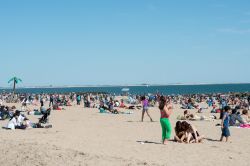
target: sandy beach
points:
(83, 136)
(124, 83)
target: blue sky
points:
(82, 42)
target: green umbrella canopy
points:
(17, 80)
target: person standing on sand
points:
(41, 102)
(225, 124)
(51, 100)
(145, 105)
(166, 110)
(78, 99)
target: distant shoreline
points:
(120, 86)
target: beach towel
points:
(245, 126)
(102, 110)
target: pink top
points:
(164, 115)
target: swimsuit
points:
(193, 135)
(145, 105)
(165, 125)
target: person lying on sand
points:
(188, 115)
(115, 111)
(122, 105)
(192, 117)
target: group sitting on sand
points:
(187, 133)
(6, 112)
(17, 119)
(237, 119)
(20, 121)
(112, 107)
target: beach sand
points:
(83, 136)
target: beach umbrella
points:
(15, 81)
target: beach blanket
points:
(245, 126)
(102, 111)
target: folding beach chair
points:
(45, 117)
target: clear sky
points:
(82, 42)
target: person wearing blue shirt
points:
(225, 124)
(223, 104)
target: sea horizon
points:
(140, 89)
(120, 85)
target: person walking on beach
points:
(145, 105)
(78, 99)
(166, 110)
(225, 124)
(51, 100)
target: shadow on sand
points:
(130, 121)
(211, 140)
(149, 142)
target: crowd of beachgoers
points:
(231, 109)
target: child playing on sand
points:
(225, 124)
(145, 104)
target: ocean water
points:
(166, 90)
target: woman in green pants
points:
(166, 110)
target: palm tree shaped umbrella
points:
(16, 81)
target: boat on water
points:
(125, 89)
